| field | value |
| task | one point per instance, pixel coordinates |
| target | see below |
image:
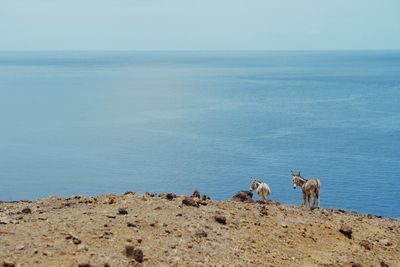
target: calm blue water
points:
(108, 122)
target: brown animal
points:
(311, 188)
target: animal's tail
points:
(318, 191)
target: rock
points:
(4, 220)
(84, 264)
(128, 193)
(74, 239)
(366, 244)
(346, 231)
(243, 196)
(384, 264)
(47, 253)
(8, 264)
(109, 201)
(386, 242)
(132, 252)
(196, 194)
(284, 225)
(19, 247)
(355, 264)
(26, 210)
(82, 248)
(170, 196)
(200, 233)
(188, 201)
(204, 197)
(122, 211)
(129, 224)
(220, 219)
(263, 211)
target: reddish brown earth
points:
(135, 230)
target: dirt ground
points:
(169, 230)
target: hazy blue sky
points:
(199, 24)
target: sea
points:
(90, 123)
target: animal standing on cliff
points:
(262, 189)
(311, 188)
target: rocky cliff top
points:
(170, 230)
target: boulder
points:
(346, 231)
(132, 252)
(243, 196)
(122, 211)
(188, 201)
(220, 219)
(196, 194)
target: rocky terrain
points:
(169, 230)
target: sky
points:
(199, 24)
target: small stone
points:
(8, 264)
(284, 225)
(109, 201)
(122, 211)
(4, 220)
(132, 252)
(129, 224)
(220, 219)
(76, 241)
(204, 197)
(355, 264)
(26, 210)
(82, 248)
(200, 233)
(346, 231)
(196, 194)
(188, 201)
(19, 247)
(366, 244)
(84, 264)
(263, 211)
(386, 242)
(384, 264)
(128, 193)
(47, 253)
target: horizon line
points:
(207, 50)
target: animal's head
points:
(254, 184)
(296, 179)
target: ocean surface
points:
(109, 122)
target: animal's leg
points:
(319, 196)
(304, 200)
(308, 198)
(313, 195)
(264, 196)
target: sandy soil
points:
(153, 230)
